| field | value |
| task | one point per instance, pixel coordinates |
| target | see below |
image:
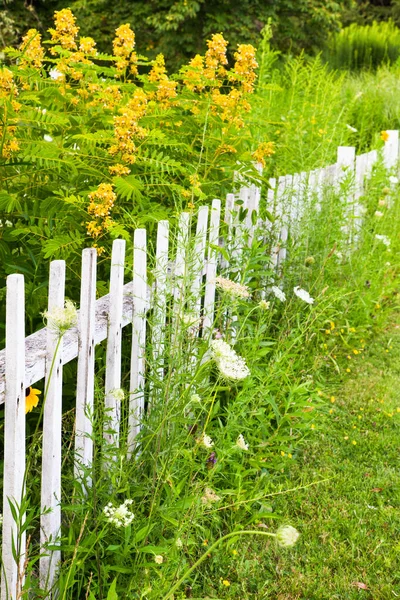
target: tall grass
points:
(365, 47)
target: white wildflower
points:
(195, 398)
(61, 319)
(178, 543)
(209, 497)
(158, 559)
(384, 239)
(393, 179)
(205, 440)
(47, 138)
(241, 443)
(303, 295)
(378, 214)
(119, 516)
(8, 223)
(287, 535)
(230, 365)
(350, 128)
(236, 290)
(278, 293)
(118, 394)
(264, 305)
(55, 74)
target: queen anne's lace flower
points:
(230, 365)
(384, 239)
(237, 290)
(60, 319)
(119, 516)
(303, 295)
(205, 440)
(241, 443)
(209, 497)
(159, 559)
(287, 535)
(278, 293)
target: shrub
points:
(365, 47)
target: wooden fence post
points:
(391, 149)
(14, 438)
(112, 401)
(136, 390)
(50, 514)
(85, 379)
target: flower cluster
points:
(209, 497)
(126, 127)
(120, 516)
(245, 66)
(60, 319)
(87, 45)
(231, 106)
(65, 30)
(166, 88)
(33, 51)
(236, 290)
(193, 74)
(287, 536)
(215, 57)
(384, 239)
(278, 293)
(230, 365)
(101, 203)
(123, 48)
(303, 295)
(263, 151)
(205, 441)
(241, 443)
(7, 85)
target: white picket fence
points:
(26, 361)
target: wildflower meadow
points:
(200, 287)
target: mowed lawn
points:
(349, 521)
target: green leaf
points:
(112, 592)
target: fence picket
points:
(112, 401)
(160, 296)
(85, 378)
(391, 149)
(228, 220)
(50, 513)
(209, 294)
(136, 389)
(14, 437)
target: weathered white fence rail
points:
(42, 355)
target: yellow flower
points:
(264, 150)
(245, 66)
(216, 56)
(354, 442)
(333, 399)
(226, 583)
(193, 73)
(384, 136)
(65, 31)
(348, 370)
(282, 453)
(33, 51)
(87, 45)
(31, 399)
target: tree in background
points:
(178, 28)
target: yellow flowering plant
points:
(95, 145)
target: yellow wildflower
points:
(119, 170)
(215, 57)
(7, 85)
(31, 399)
(33, 51)
(123, 48)
(158, 71)
(87, 45)
(263, 151)
(65, 30)
(384, 136)
(226, 583)
(245, 66)
(193, 73)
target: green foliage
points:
(179, 29)
(365, 47)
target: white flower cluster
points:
(205, 441)
(278, 293)
(378, 214)
(287, 535)
(384, 239)
(264, 304)
(209, 497)
(241, 443)
(393, 179)
(230, 365)
(236, 290)
(119, 516)
(159, 559)
(303, 295)
(61, 319)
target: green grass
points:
(350, 521)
